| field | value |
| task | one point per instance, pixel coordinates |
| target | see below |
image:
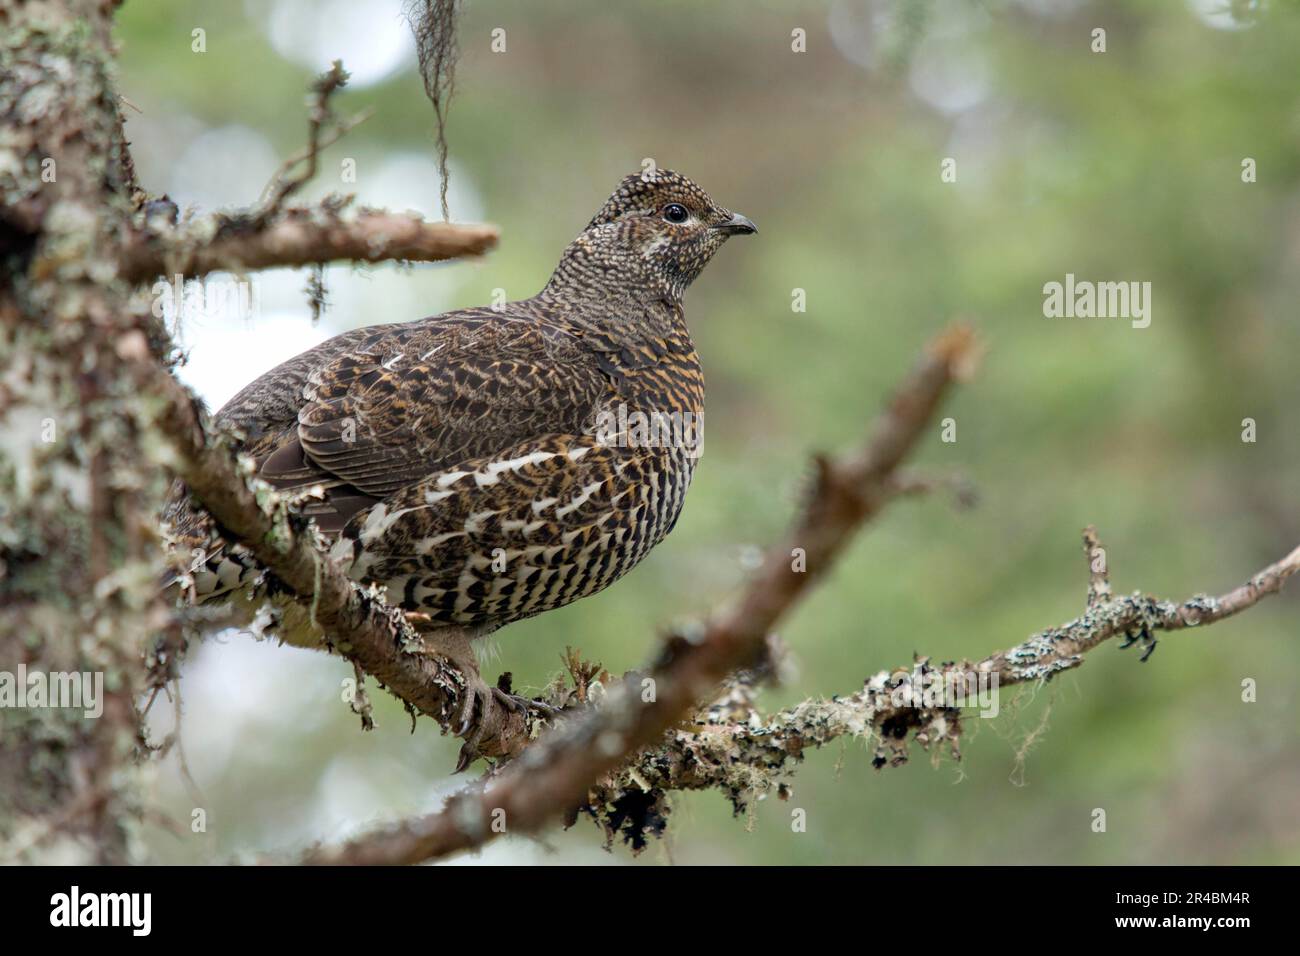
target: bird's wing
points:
(409, 401)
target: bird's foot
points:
(482, 709)
(1140, 634)
(521, 704)
(479, 712)
(492, 705)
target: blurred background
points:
(1123, 165)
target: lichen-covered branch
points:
(732, 747)
(555, 775)
(297, 237)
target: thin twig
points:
(323, 130)
(1098, 571)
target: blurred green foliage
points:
(1123, 165)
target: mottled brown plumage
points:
(478, 463)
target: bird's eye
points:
(676, 212)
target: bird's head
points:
(657, 227)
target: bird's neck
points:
(635, 322)
(604, 276)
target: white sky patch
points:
(1052, 9)
(410, 181)
(948, 70)
(225, 355)
(372, 39)
(1217, 14)
(950, 74)
(241, 693)
(222, 167)
(853, 27)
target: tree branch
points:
(733, 748)
(298, 237)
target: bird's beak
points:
(738, 225)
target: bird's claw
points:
(1140, 633)
(480, 698)
(523, 705)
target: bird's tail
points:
(203, 562)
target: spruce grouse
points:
(492, 463)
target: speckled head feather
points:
(656, 233)
(644, 194)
